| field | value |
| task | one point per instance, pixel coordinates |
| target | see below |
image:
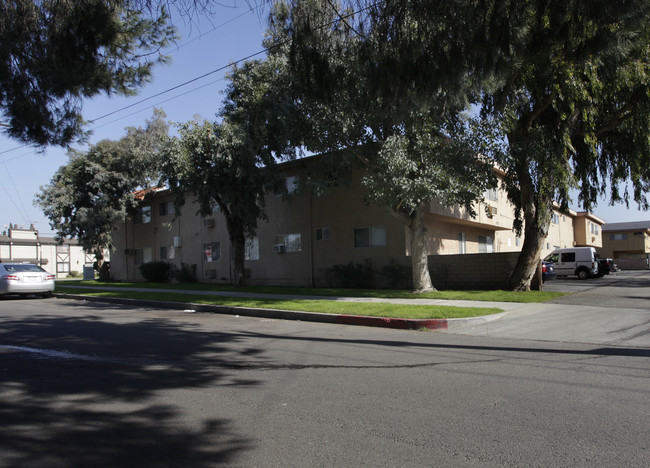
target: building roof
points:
(628, 226)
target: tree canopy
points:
(573, 104)
(355, 71)
(88, 196)
(54, 54)
(230, 164)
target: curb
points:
(360, 320)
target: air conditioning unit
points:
(177, 241)
(211, 274)
(278, 248)
(208, 223)
(491, 211)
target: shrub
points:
(352, 275)
(74, 274)
(156, 272)
(398, 276)
(185, 274)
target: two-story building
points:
(628, 244)
(25, 245)
(307, 235)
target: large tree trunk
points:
(238, 241)
(537, 218)
(419, 252)
(100, 265)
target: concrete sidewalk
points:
(432, 324)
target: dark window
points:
(569, 257)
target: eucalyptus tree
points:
(393, 91)
(230, 164)
(573, 104)
(89, 195)
(54, 54)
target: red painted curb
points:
(405, 324)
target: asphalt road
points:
(90, 384)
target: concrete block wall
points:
(472, 271)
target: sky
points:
(202, 54)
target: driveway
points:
(613, 310)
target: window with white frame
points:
(370, 237)
(485, 244)
(492, 194)
(252, 249)
(621, 236)
(323, 233)
(291, 242)
(462, 243)
(143, 255)
(212, 251)
(142, 214)
(291, 184)
(555, 218)
(166, 208)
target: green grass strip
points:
(490, 296)
(319, 306)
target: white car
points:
(24, 279)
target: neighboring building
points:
(20, 244)
(306, 235)
(628, 244)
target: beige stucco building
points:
(628, 244)
(19, 244)
(306, 235)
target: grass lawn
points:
(492, 296)
(311, 305)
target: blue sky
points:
(232, 34)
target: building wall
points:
(630, 249)
(60, 259)
(341, 212)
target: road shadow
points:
(78, 391)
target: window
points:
(142, 215)
(291, 183)
(485, 244)
(163, 253)
(568, 257)
(63, 248)
(370, 237)
(143, 255)
(622, 236)
(639, 233)
(166, 208)
(212, 251)
(518, 241)
(252, 249)
(291, 242)
(63, 267)
(492, 194)
(555, 218)
(323, 233)
(462, 244)
(553, 258)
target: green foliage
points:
(156, 272)
(88, 196)
(54, 54)
(74, 274)
(351, 275)
(393, 90)
(572, 102)
(231, 164)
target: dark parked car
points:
(606, 266)
(24, 279)
(548, 271)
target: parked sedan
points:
(24, 279)
(548, 271)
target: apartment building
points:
(628, 244)
(306, 234)
(25, 245)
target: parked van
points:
(579, 261)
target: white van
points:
(579, 261)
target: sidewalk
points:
(414, 324)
